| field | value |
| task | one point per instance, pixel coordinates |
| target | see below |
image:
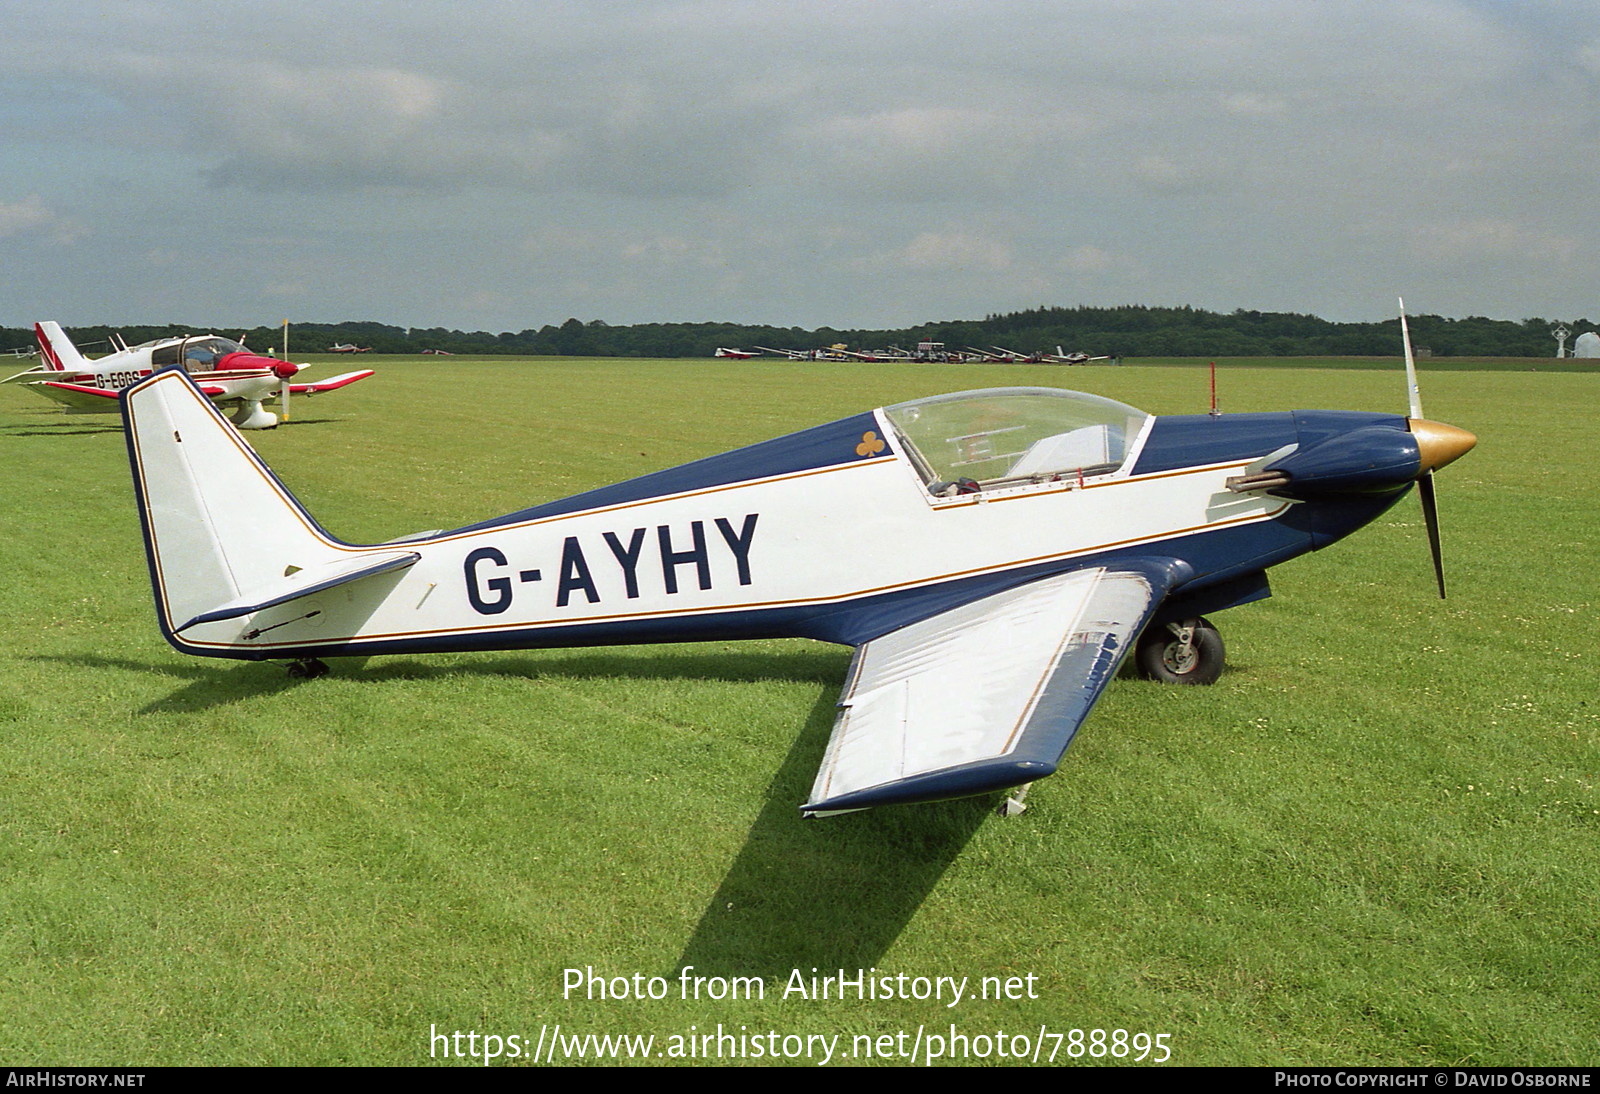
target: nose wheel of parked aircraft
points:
(1188, 651)
(307, 670)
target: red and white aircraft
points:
(736, 354)
(348, 347)
(223, 370)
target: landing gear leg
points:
(307, 670)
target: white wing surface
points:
(984, 696)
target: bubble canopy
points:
(196, 354)
(976, 440)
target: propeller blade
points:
(1430, 515)
(1412, 391)
(1437, 445)
(283, 398)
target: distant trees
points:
(1130, 331)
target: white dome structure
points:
(1587, 345)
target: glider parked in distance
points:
(991, 555)
(1001, 355)
(222, 369)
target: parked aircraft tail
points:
(223, 536)
(56, 349)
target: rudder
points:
(57, 350)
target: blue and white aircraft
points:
(991, 555)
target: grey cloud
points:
(809, 163)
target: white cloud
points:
(1493, 239)
(27, 215)
(1089, 259)
(1254, 106)
(955, 251)
(31, 216)
(1589, 57)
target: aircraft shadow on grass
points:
(214, 685)
(74, 429)
(868, 874)
(89, 429)
(207, 687)
(864, 875)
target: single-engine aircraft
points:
(991, 555)
(348, 347)
(1076, 357)
(736, 354)
(223, 370)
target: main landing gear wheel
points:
(307, 670)
(1188, 651)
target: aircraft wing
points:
(332, 383)
(987, 695)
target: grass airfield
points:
(1373, 842)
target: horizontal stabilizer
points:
(985, 696)
(37, 372)
(306, 582)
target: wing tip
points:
(957, 782)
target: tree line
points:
(1126, 331)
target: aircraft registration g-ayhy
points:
(991, 555)
(223, 369)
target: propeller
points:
(285, 372)
(1437, 444)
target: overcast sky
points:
(878, 163)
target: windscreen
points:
(981, 439)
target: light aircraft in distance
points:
(830, 353)
(1001, 355)
(991, 555)
(895, 355)
(736, 354)
(791, 354)
(223, 370)
(348, 347)
(1076, 357)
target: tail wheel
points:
(1188, 651)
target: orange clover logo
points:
(871, 444)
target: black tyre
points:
(1162, 655)
(307, 670)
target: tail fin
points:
(223, 536)
(57, 350)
